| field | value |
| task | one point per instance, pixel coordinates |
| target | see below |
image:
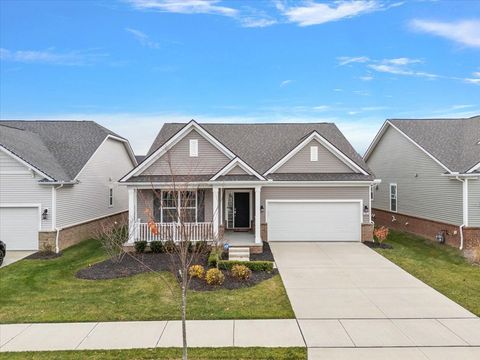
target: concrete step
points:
(239, 253)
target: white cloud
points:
(49, 56)
(345, 60)
(142, 38)
(321, 108)
(314, 13)
(475, 79)
(400, 70)
(465, 32)
(402, 61)
(251, 22)
(366, 78)
(285, 83)
(185, 6)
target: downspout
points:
(464, 206)
(57, 247)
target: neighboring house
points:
(430, 172)
(253, 182)
(57, 180)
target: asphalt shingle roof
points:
(263, 145)
(60, 149)
(453, 142)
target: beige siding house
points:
(248, 183)
(430, 178)
(58, 179)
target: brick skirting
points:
(367, 232)
(74, 234)
(264, 232)
(427, 228)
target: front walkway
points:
(346, 297)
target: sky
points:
(132, 65)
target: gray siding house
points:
(251, 182)
(57, 180)
(430, 170)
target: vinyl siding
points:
(327, 162)
(177, 160)
(88, 199)
(237, 170)
(315, 193)
(429, 195)
(474, 203)
(18, 185)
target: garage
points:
(19, 227)
(315, 220)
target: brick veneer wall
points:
(264, 232)
(367, 232)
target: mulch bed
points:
(266, 255)
(231, 282)
(43, 255)
(377, 245)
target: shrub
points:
(140, 246)
(241, 272)
(196, 271)
(252, 265)
(156, 246)
(214, 258)
(169, 246)
(214, 277)
(381, 233)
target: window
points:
(393, 197)
(179, 206)
(110, 196)
(313, 153)
(193, 148)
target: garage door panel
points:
(19, 227)
(314, 221)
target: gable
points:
(9, 165)
(327, 162)
(237, 170)
(177, 160)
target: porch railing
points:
(201, 231)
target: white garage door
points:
(313, 220)
(19, 227)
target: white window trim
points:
(313, 153)
(111, 200)
(193, 147)
(178, 207)
(390, 197)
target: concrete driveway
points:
(346, 297)
(13, 256)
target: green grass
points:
(169, 353)
(48, 291)
(440, 266)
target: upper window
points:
(313, 153)
(110, 196)
(393, 197)
(193, 148)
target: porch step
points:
(239, 253)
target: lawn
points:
(48, 291)
(170, 354)
(440, 266)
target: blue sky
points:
(133, 64)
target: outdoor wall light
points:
(365, 208)
(44, 214)
(261, 207)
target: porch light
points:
(44, 214)
(365, 208)
(261, 207)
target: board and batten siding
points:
(315, 193)
(422, 191)
(88, 199)
(177, 160)
(326, 163)
(18, 185)
(474, 203)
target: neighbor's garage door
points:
(313, 221)
(19, 227)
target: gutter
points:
(61, 183)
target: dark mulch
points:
(266, 255)
(377, 245)
(43, 255)
(231, 282)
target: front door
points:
(242, 210)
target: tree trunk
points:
(184, 317)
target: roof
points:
(453, 142)
(58, 148)
(140, 158)
(262, 145)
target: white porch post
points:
(215, 211)
(132, 214)
(258, 237)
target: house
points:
(430, 172)
(58, 180)
(252, 182)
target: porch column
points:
(215, 211)
(132, 214)
(258, 237)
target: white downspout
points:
(54, 217)
(464, 207)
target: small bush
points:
(241, 272)
(140, 246)
(380, 234)
(156, 246)
(169, 246)
(196, 271)
(252, 265)
(214, 277)
(214, 258)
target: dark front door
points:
(242, 210)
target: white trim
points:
(193, 147)
(250, 207)
(54, 207)
(27, 205)
(192, 125)
(132, 214)
(28, 165)
(465, 201)
(249, 184)
(125, 142)
(390, 197)
(475, 167)
(258, 197)
(329, 146)
(242, 164)
(370, 199)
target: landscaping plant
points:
(241, 272)
(113, 234)
(197, 271)
(381, 234)
(140, 246)
(156, 247)
(214, 277)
